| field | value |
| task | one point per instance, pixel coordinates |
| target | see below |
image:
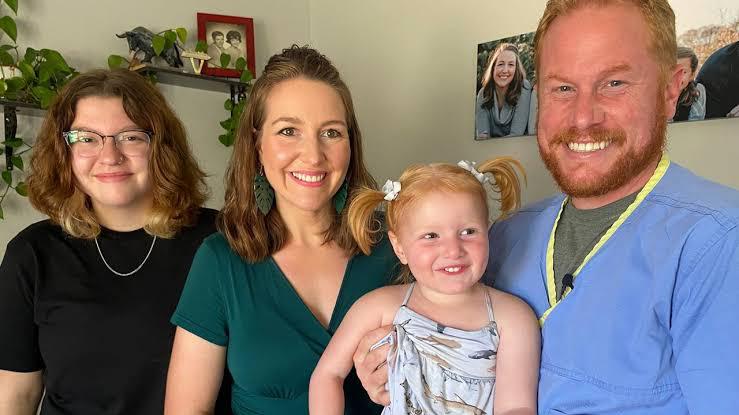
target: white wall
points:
(84, 32)
(411, 68)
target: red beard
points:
(626, 167)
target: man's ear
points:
(397, 248)
(672, 90)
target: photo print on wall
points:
(707, 54)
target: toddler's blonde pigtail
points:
(506, 183)
(363, 224)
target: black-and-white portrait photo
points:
(227, 39)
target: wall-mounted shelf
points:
(174, 76)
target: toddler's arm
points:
(517, 371)
(326, 395)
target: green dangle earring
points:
(340, 196)
(263, 192)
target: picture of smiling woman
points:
(502, 104)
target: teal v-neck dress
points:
(273, 340)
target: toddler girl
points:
(458, 346)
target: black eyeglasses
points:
(89, 143)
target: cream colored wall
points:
(411, 67)
(84, 31)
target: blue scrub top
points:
(650, 326)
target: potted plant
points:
(34, 78)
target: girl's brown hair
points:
(422, 179)
(178, 184)
(514, 88)
(249, 233)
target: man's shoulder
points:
(531, 221)
(683, 190)
(531, 211)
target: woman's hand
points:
(371, 365)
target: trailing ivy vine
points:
(33, 77)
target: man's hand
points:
(370, 366)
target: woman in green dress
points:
(266, 293)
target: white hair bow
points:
(470, 167)
(391, 190)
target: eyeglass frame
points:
(65, 136)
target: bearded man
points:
(634, 270)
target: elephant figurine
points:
(140, 42)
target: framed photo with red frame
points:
(227, 34)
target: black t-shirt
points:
(102, 340)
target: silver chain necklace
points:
(120, 274)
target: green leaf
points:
(226, 124)
(27, 70)
(2, 151)
(13, 4)
(31, 56)
(228, 105)
(14, 143)
(246, 76)
(115, 61)
(7, 24)
(226, 139)
(3, 88)
(1, 213)
(225, 59)
(240, 64)
(15, 83)
(6, 59)
(171, 36)
(182, 34)
(6, 47)
(44, 95)
(17, 161)
(21, 189)
(158, 43)
(56, 60)
(44, 72)
(201, 46)
(7, 177)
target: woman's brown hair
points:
(178, 184)
(690, 93)
(422, 179)
(249, 233)
(514, 88)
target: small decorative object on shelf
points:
(200, 57)
(141, 47)
(144, 45)
(229, 41)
